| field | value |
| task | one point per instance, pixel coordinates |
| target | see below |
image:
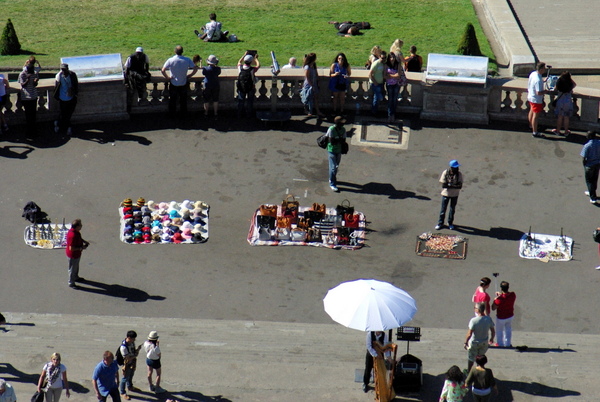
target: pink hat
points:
(187, 233)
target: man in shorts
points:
(535, 97)
(477, 342)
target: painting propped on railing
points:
(455, 68)
(100, 67)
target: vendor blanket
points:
(174, 222)
(46, 236)
(545, 247)
(442, 246)
(332, 231)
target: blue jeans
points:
(591, 179)
(392, 93)
(127, 379)
(377, 95)
(248, 99)
(334, 163)
(445, 200)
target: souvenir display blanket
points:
(441, 245)
(275, 225)
(545, 247)
(174, 222)
(46, 235)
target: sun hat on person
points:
(153, 336)
(248, 58)
(454, 163)
(139, 49)
(212, 59)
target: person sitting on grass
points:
(212, 31)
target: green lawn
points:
(54, 28)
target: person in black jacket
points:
(137, 73)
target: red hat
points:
(177, 238)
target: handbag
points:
(265, 221)
(314, 216)
(289, 208)
(352, 220)
(37, 397)
(553, 103)
(314, 235)
(343, 236)
(319, 207)
(283, 222)
(264, 234)
(304, 223)
(282, 233)
(345, 148)
(268, 210)
(322, 141)
(298, 234)
(344, 208)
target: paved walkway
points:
(223, 360)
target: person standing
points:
(336, 142)
(29, 80)
(564, 103)
(454, 389)
(452, 182)
(535, 97)
(591, 164)
(7, 393)
(338, 82)
(247, 65)
(75, 245)
(504, 305)
(376, 74)
(153, 355)
(4, 88)
(374, 339)
(129, 353)
(211, 84)
(392, 84)
(481, 380)
(310, 88)
(178, 66)
(137, 73)
(481, 295)
(477, 341)
(66, 89)
(56, 373)
(106, 378)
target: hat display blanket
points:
(329, 230)
(46, 236)
(149, 222)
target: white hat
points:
(212, 59)
(248, 58)
(139, 49)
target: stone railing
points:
(501, 100)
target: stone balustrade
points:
(501, 100)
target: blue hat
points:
(454, 163)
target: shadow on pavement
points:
(499, 233)
(531, 388)
(129, 294)
(9, 151)
(379, 189)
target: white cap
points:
(139, 49)
(248, 58)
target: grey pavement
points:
(214, 291)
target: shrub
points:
(468, 45)
(9, 43)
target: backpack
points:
(31, 212)
(119, 357)
(413, 64)
(245, 82)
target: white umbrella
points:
(369, 305)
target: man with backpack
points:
(248, 65)
(126, 357)
(137, 73)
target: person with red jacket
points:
(504, 304)
(75, 245)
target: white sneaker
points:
(586, 193)
(438, 227)
(334, 188)
(598, 267)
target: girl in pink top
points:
(481, 295)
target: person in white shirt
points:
(178, 66)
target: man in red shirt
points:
(75, 245)
(504, 304)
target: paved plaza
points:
(242, 323)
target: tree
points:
(9, 43)
(468, 45)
